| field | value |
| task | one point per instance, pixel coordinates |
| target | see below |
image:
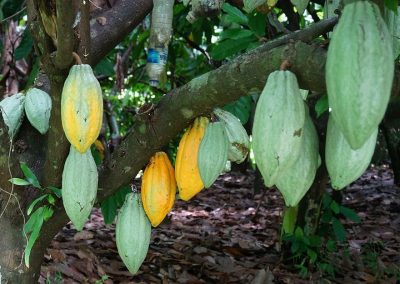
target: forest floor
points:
(226, 234)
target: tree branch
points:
(84, 31)
(65, 34)
(112, 26)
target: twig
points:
(15, 14)
(84, 31)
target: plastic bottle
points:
(160, 35)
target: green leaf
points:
(234, 34)
(339, 230)
(331, 245)
(234, 14)
(25, 47)
(350, 214)
(312, 255)
(110, 205)
(50, 199)
(230, 47)
(35, 230)
(33, 74)
(35, 218)
(301, 5)
(241, 108)
(257, 23)
(30, 176)
(47, 213)
(392, 5)
(322, 105)
(250, 5)
(19, 181)
(56, 191)
(335, 207)
(105, 67)
(34, 202)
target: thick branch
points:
(84, 31)
(65, 34)
(216, 88)
(112, 26)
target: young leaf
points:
(34, 202)
(56, 191)
(32, 238)
(30, 176)
(322, 105)
(19, 181)
(335, 207)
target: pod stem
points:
(285, 65)
(76, 58)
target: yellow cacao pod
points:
(81, 107)
(186, 168)
(158, 188)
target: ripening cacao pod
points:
(239, 142)
(344, 164)
(158, 188)
(278, 125)
(12, 110)
(79, 186)
(213, 153)
(295, 181)
(132, 233)
(81, 107)
(38, 109)
(359, 71)
(186, 169)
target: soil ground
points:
(228, 234)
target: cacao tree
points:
(216, 59)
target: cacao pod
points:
(295, 181)
(79, 186)
(278, 125)
(12, 110)
(158, 188)
(213, 153)
(132, 233)
(38, 109)
(81, 107)
(186, 169)
(239, 142)
(344, 164)
(359, 71)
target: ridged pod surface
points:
(79, 186)
(186, 169)
(213, 153)
(344, 164)
(12, 110)
(239, 142)
(359, 71)
(132, 233)
(38, 109)
(81, 107)
(158, 188)
(278, 125)
(294, 182)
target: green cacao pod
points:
(295, 181)
(239, 142)
(186, 167)
(213, 153)
(132, 233)
(81, 107)
(158, 188)
(278, 125)
(79, 186)
(38, 109)
(359, 71)
(344, 164)
(12, 110)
